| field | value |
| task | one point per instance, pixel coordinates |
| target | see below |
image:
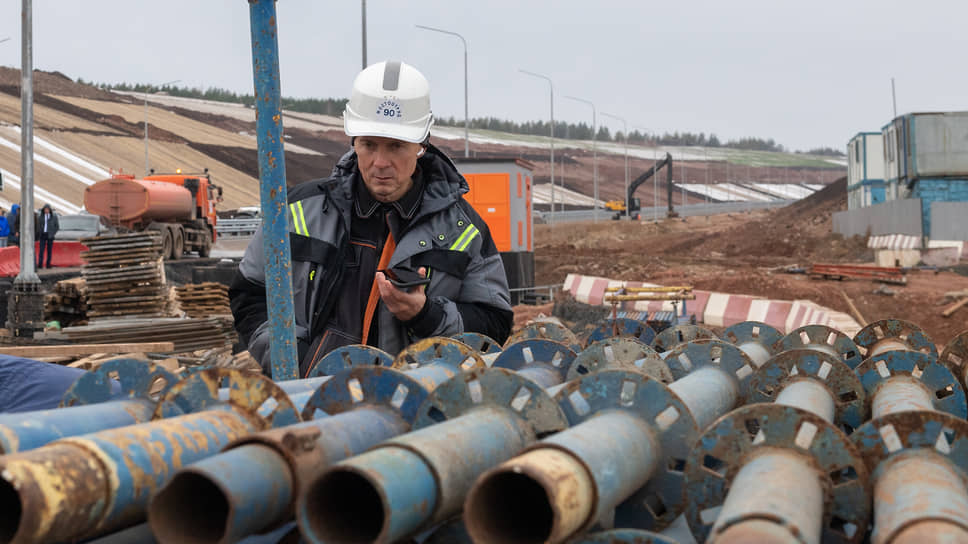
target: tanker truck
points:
(181, 207)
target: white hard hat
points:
(389, 99)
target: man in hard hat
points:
(385, 251)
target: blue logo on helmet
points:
(389, 109)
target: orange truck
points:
(181, 207)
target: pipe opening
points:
(12, 510)
(190, 509)
(344, 507)
(511, 508)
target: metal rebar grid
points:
(219, 500)
(101, 482)
(780, 470)
(621, 460)
(468, 425)
(916, 447)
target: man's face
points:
(386, 166)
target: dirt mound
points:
(54, 83)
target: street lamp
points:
(625, 131)
(467, 123)
(594, 150)
(551, 87)
(146, 121)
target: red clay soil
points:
(745, 254)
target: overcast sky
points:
(807, 74)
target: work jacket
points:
(445, 235)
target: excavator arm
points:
(665, 162)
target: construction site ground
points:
(746, 253)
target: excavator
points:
(632, 203)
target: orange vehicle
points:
(179, 206)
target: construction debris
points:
(125, 276)
(885, 274)
(67, 303)
(954, 307)
(75, 350)
(186, 334)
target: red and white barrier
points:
(720, 309)
(64, 254)
(894, 241)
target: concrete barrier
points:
(64, 254)
(720, 309)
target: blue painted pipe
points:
(409, 482)
(29, 430)
(272, 183)
(98, 483)
(251, 487)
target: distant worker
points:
(13, 222)
(385, 251)
(45, 229)
(4, 228)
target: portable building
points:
(865, 170)
(500, 191)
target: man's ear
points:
(422, 151)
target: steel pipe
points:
(99, 483)
(469, 424)
(548, 330)
(955, 357)
(893, 335)
(917, 448)
(757, 340)
(93, 403)
(620, 352)
(625, 427)
(217, 499)
(622, 327)
(543, 361)
(794, 445)
(671, 337)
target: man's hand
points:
(404, 304)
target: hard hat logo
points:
(390, 110)
(389, 99)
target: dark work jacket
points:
(53, 225)
(468, 288)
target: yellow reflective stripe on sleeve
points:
(469, 239)
(302, 218)
(460, 239)
(295, 218)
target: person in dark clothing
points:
(385, 251)
(46, 228)
(13, 221)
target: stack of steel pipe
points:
(252, 486)
(916, 444)
(620, 461)
(100, 482)
(780, 470)
(467, 425)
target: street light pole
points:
(551, 88)
(147, 169)
(363, 27)
(594, 150)
(467, 122)
(625, 131)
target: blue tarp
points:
(27, 385)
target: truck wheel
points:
(165, 243)
(177, 245)
(205, 249)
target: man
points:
(46, 228)
(391, 210)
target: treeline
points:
(325, 106)
(564, 130)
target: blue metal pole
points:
(272, 181)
